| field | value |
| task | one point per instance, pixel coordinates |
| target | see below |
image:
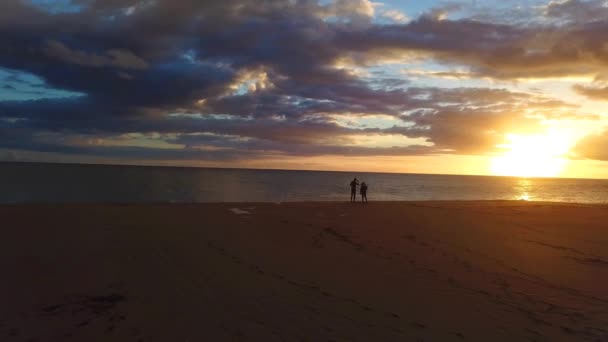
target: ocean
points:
(56, 183)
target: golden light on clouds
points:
(357, 85)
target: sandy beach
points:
(390, 271)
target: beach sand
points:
(391, 271)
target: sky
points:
(507, 87)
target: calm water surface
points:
(35, 182)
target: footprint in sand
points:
(82, 324)
(459, 335)
(13, 332)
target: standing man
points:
(363, 192)
(353, 190)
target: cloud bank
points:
(242, 79)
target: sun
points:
(533, 155)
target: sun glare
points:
(533, 155)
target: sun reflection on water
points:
(523, 188)
(524, 197)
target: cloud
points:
(442, 12)
(593, 147)
(461, 121)
(357, 11)
(595, 91)
(395, 16)
(243, 78)
(438, 74)
(114, 57)
(577, 11)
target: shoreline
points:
(448, 203)
(392, 271)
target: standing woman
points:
(363, 192)
(353, 190)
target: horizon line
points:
(277, 169)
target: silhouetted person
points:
(353, 190)
(363, 192)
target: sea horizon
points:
(302, 170)
(34, 182)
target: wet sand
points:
(392, 271)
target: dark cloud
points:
(458, 121)
(115, 57)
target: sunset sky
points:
(456, 87)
